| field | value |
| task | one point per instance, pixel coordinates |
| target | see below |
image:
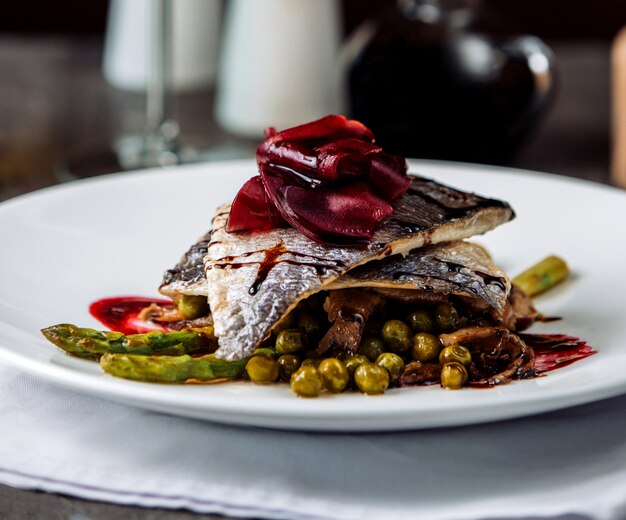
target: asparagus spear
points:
(175, 369)
(542, 276)
(91, 344)
(170, 369)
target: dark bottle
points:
(431, 85)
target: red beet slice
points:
(294, 156)
(345, 158)
(329, 127)
(326, 162)
(252, 209)
(344, 215)
(388, 176)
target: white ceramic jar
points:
(279, 64)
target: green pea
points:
(393, 363)
(453, 376)
(421, 321)
(455, 353)
(192, 306)
(372, 347)
(353, 362)
(287, 365)
(446, 317)
(290, 340)
(262, 369)
(426, 347)
(334, 375)
(306, 382)
(371, 378)
(396, 335)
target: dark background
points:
(546, 18)
(53, 94)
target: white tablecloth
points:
(571, 462)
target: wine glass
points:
(159, 143)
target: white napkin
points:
(571, 462)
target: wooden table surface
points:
(56, 109)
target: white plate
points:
(67, 246)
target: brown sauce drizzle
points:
(271, 258)
(268, 263)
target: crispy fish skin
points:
(458, 268)
(431, 213)
(255, 279)
(187, 276)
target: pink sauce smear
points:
(554, 351)
(121, 314)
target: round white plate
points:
(69, 245)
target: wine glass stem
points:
(159, 144)
(159, 76)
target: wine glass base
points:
(152, 151)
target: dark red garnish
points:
(388, 176)
(121, 313)
(292, 156)
(345, 159)
(329, 215)
(326, 178)
(252, 209)
(329, 127)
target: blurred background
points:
(64, 107)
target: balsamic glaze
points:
(268, 263)
(271, 258)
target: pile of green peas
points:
(379, 362)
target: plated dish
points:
(274, 406)
(334, 269)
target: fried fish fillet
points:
(255, 279)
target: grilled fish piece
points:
(187, 276)
(255, 279)
(458, 268)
